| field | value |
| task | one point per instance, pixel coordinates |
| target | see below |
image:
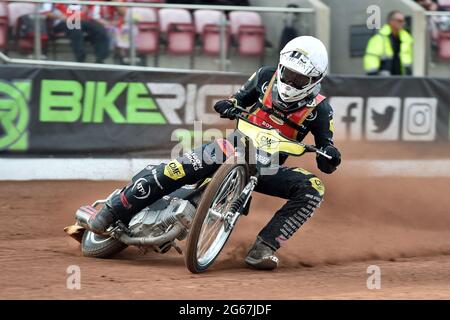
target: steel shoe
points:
(99, 222)
(261, 256)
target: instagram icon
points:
(419, 119)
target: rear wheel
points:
(99, 246)
(209, 233)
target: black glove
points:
(226, 109)
(329, 165)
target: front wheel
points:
(209, 232)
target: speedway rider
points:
(286, 98)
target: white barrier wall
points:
(124, 169)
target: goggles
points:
(294, 79)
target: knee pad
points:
(310, 197)
(317, 185)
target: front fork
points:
(240, 204)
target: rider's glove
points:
(329, 165)
(226, 108)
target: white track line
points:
(123, 169)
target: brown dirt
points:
(401, 225)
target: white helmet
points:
(303, 64)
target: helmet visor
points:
(294, 79)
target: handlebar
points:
(308, 147)
(311, 148)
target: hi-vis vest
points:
(266, 117)
(379, 53)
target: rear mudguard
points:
(75, 231)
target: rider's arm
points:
(248, 94)
(322, 129)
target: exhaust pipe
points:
(152, 241)
(83, 215)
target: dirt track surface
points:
(400, 225)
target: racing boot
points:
(99, 222)
(261, 256)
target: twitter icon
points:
(382, 121)
(383, 118)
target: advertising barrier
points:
(59, 111)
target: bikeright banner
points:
(61, 111)
(53, 111)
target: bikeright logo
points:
(129, 102)
(14, 114)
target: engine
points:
(151, 222)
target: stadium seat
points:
(3, 26)
(179, 30)
(211, 39)
(204, 17)
(15, 11)
(207, 26)
(147, 39)
(248, 32)
(444, 3)
(3, 10)
(444, 45)
(148, 1)
(238, 18)
(251, 40)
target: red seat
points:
(211, 39)
(147, 39)
(15, 11)
(3, 26)
(207, 25)
(149, 1)
(444, 3)
(205, 17)
(444, 45)
(251, 40)
(180, 38)
(249, 32)
(179, 30)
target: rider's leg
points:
(154, 182)
(304, 192)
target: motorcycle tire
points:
(98, 246)
(191, 260)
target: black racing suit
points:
(303, 190)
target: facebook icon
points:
(348, 117)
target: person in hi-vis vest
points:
(390, 51)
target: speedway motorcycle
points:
(205, 213)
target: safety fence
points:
(189, 36)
